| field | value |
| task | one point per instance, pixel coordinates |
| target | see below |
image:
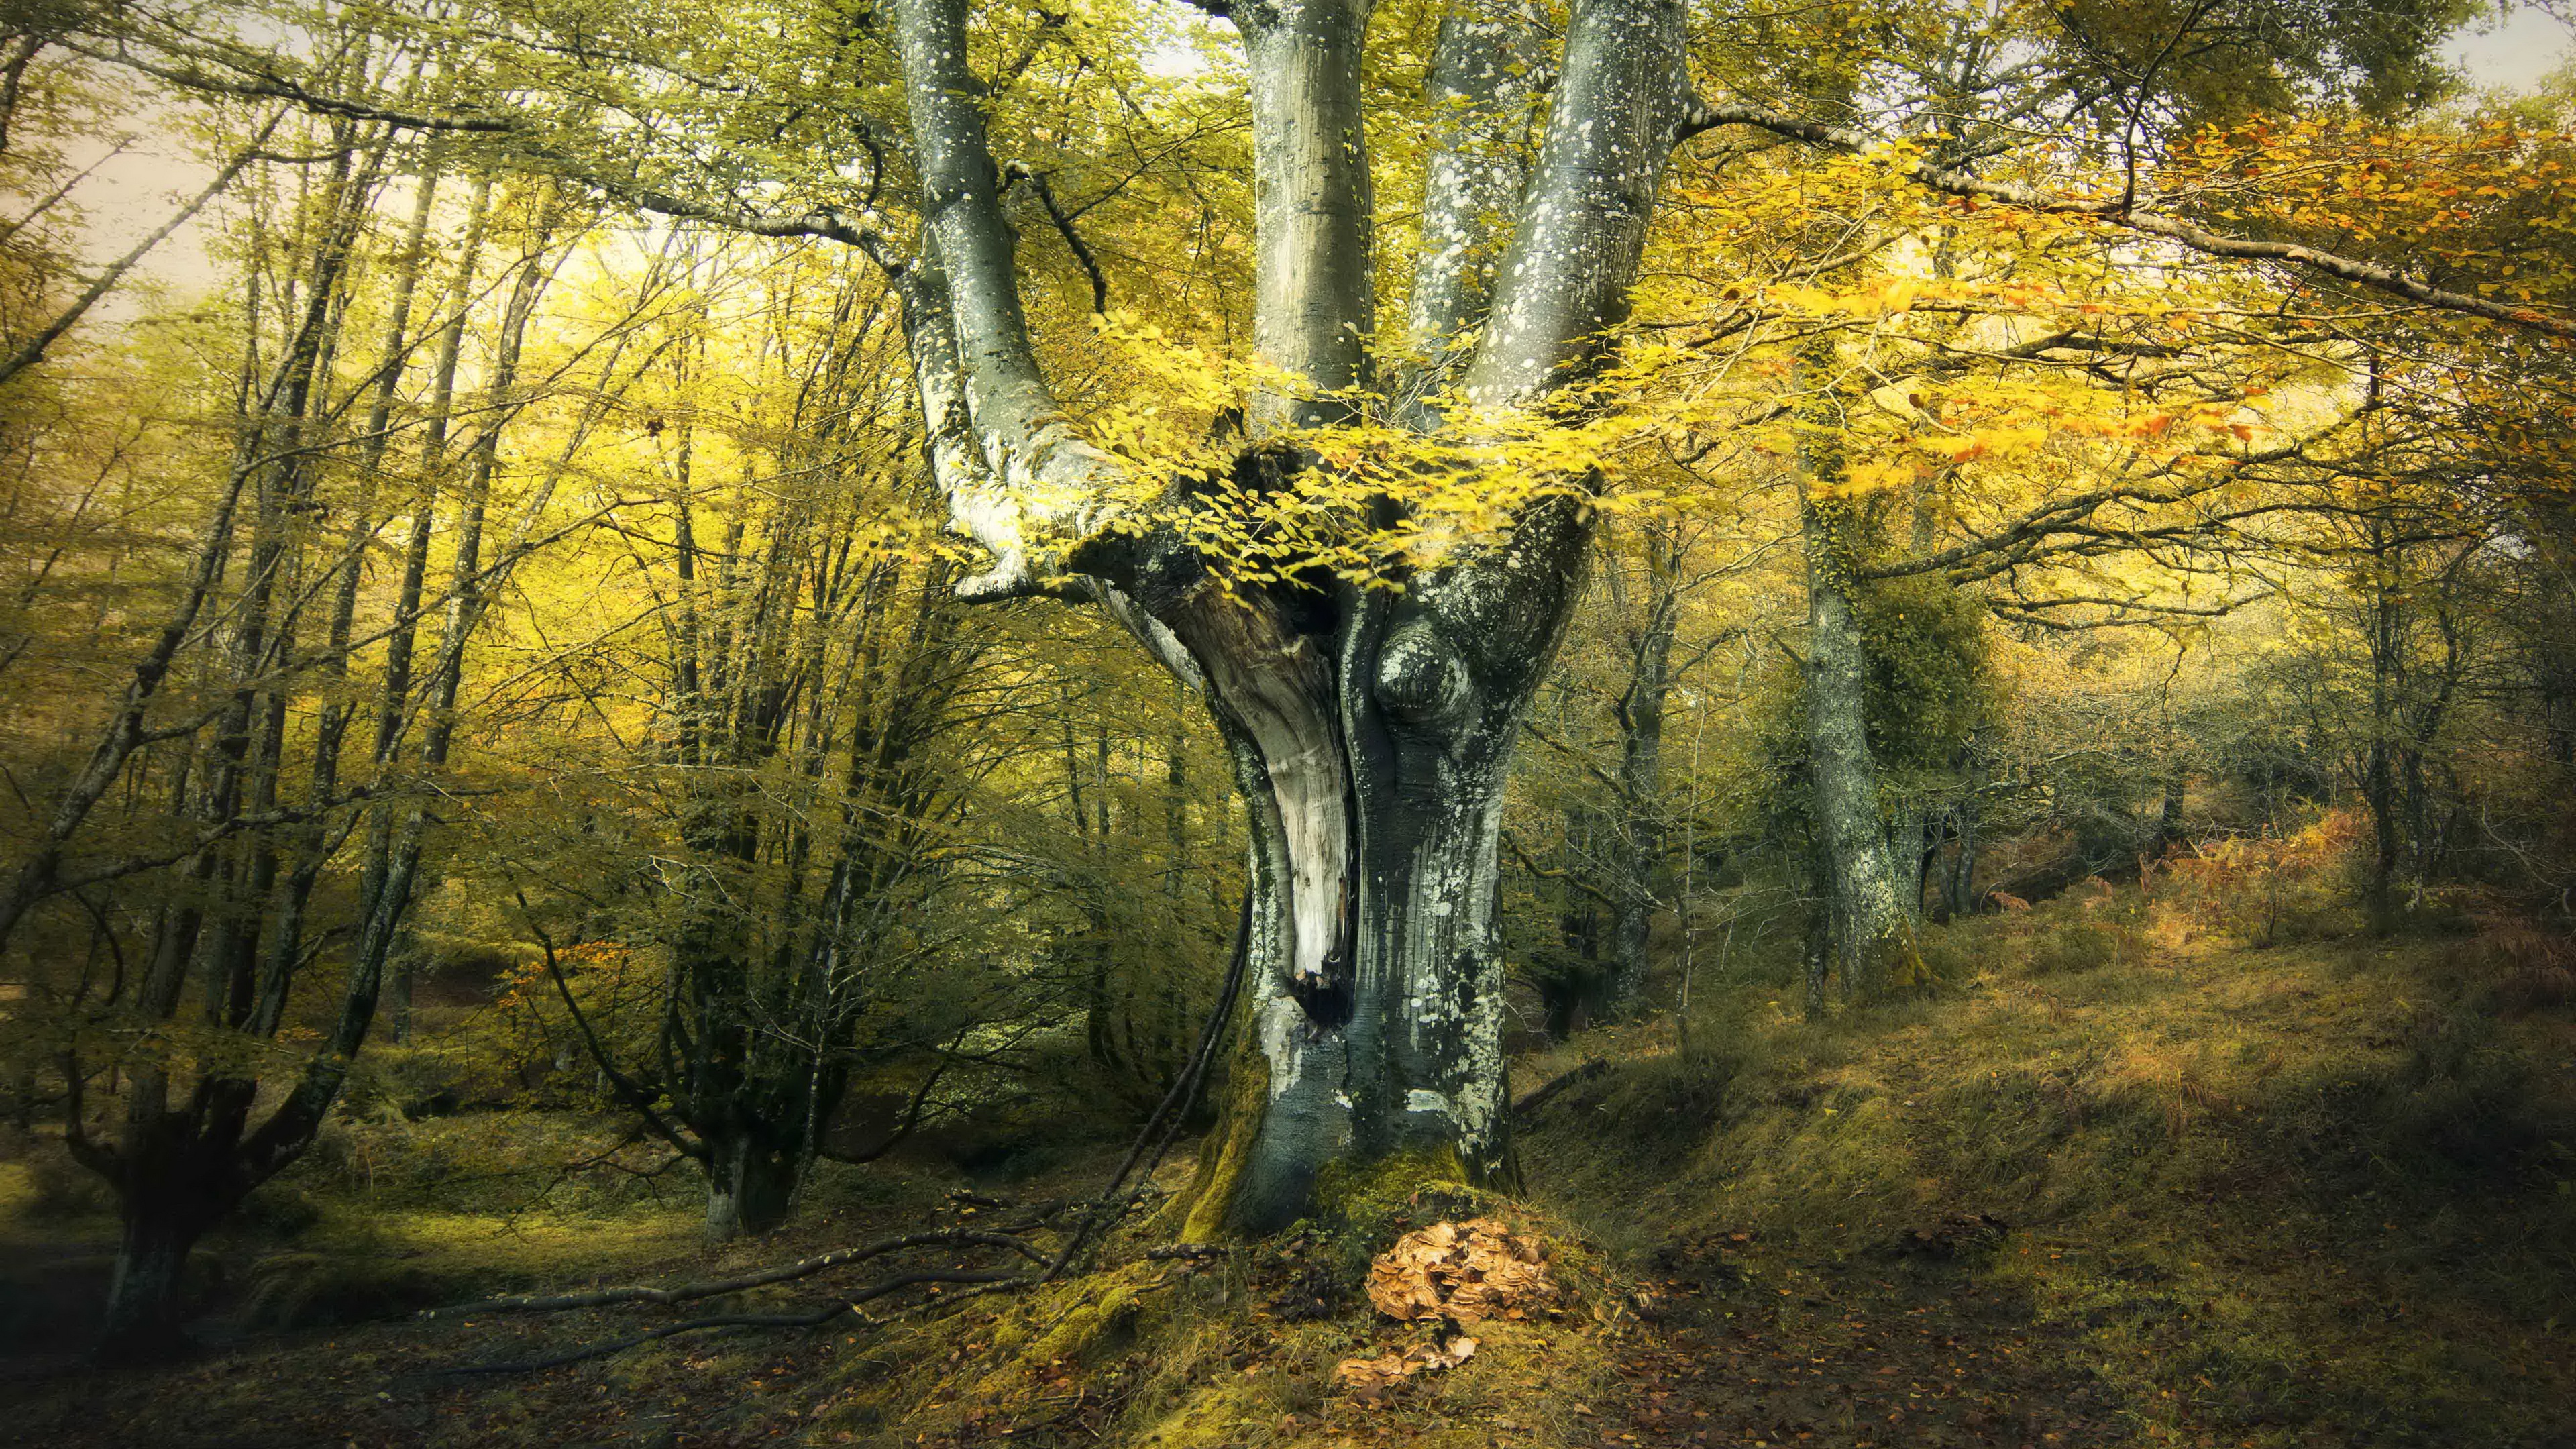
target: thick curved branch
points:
(1573, 258)
(1484, 82)
(254, 84)
(1050, 489)
(515, 133)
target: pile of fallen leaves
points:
(1466, 1271)
(1458, 1272)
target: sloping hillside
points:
(2116, 1183)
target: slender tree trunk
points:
(1871, 931)
(2378, 775)
(1575, 998)
(1962, 884)
(404, 966)
(178, 1166)
(2168, 814)
(396, 846)
(1639, 840)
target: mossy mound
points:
(1237, 1347)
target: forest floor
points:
(2114, 1183)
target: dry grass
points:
(2319, 1184)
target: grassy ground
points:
(2120, 1181)
(2116, 1183)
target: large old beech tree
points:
(1370, 713)
(1371, 727)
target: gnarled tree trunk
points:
(750, 1182)
(145, 1304)
(1371, 729)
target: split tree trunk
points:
(1638, 844)
(1371, 732)
(1402, 1053)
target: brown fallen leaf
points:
(1467, 1271)
(1373, 1378)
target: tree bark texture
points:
(1370, 730)
(1637, 843)
(1870, 936)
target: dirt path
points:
(1745, 1347)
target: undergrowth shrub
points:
(2082, 943)
(490, 1030)
(57, 1188)
(465, 968)
(2461, 1097)
(1672, 1099)
(278, 1210)
(2093, 929)
(2454, 1105)
(2265, 890)
(491, 1162)
(2521, 965)
(309, 1290)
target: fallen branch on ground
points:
(1539, 1098)
(1097, 1216)
(847, 1307)
(1165, 1124)
(803, 1268)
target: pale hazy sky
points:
(2528, 45)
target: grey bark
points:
(1370, 732)
(1311, 203)
(1871, 939)
(1637, 840)
(1484, 84)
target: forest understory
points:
(2114, 1183)
(1185, 723)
